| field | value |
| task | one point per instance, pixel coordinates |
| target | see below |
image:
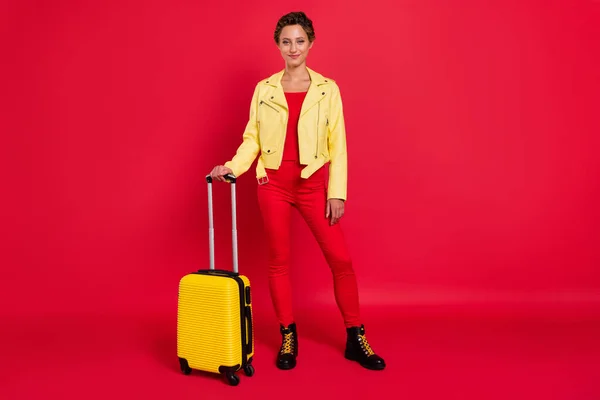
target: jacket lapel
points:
(316, 92)
(276, 95)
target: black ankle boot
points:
(358, 349)
(289, 347)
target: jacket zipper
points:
(268, 105)
(318, 117)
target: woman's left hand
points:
(335, 210)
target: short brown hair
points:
(295, 18)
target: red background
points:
(472, 135)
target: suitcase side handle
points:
(249, 325)
(211, 230)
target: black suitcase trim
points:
(245, 315)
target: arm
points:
(338, 168)
(248, 150)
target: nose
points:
(293, 48)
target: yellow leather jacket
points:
(321, 132)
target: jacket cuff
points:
(234, 168)
(332, 193)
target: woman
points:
(296, 124)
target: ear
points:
(311, 45)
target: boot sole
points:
(287, 366)
(367, 366)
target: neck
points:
(296, 73)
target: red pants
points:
(286, 189)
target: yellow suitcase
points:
(214, 313)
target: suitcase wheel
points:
(232, 378)
(249, 370)
(185, 368)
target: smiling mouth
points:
(294, 56)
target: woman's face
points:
(294, 45)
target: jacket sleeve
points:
(338, 167)
(250, 147)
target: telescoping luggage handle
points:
(211, 230)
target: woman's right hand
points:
(219, 172)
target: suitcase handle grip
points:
(249, 325)
(229, 177)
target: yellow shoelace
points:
(288, 344)
(365, 345)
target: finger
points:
(221, 173)
(327, 209)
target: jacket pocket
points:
(322, 128)
(264, 103)
(269, 127)
(269, 150)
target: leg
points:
(275, 203)
(311, 202)
(275, 208)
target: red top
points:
(290, 149)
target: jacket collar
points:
(315, 93)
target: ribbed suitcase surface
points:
(211, 316)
